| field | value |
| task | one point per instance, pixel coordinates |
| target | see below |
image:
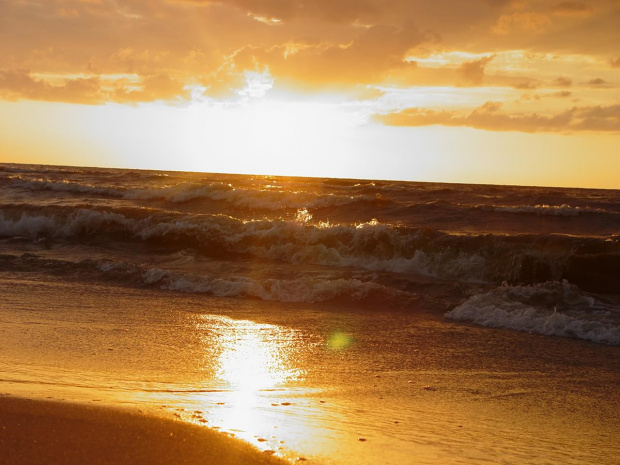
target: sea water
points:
(340, 321)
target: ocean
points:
(330, 320)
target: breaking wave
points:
(592, 263)
(295, 290)
(304, 289)
(552, 308)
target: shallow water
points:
(312, 382)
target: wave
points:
(563, 210)
(248, 198)
(305, 289)
(552, 308)
(593, 263)
(40, 184)
(240, 197)
(553, 210)
(51, 170)
(296, 290)
(273, 200)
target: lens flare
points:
(339, 340)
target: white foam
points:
(359, 246)
(295, 290)
(27, 226)
(553, 309)
(82, 221)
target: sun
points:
(266, 135)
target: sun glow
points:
(265, 136)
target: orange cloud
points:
(20, 85)
(597, 82)
(330, 10)
(525, 85)
(521, 22)
(17, 85)
(562, 82)
(138, 60)
(151, 88)
(572, 9)
(473, 71)
(316, 45)
(489, 117)
(366, 59)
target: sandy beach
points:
(37, 432)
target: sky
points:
(476, 91)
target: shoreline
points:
(55, 432)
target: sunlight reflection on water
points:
(255, 370)
(250, 356)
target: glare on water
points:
(250, 356)
(255, 383)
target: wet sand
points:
(37, 432)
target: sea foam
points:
(553, 309)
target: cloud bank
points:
(490, 117)
(100, 51)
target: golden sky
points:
(495, 91)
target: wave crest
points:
(240, 197)
(553, 210)
(552, 308)
(592, 263)
(302, 289)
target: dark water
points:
(536, 259)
